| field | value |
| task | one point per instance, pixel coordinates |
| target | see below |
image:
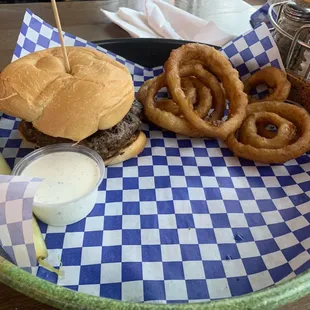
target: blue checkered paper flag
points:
(186, 221)
(16, 237)
(261, 16)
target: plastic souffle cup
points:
(72, 175)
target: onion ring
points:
(248, 132)
(274, 78)
(222, 68)
(169, 105)
(196, 70)
(213, 85)
(142, 92)
(189, 89)
(172, 122)
(203, 107)
(219, 103)
(294, 114)
(264, 132)
(166, 119)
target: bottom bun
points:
(130, 151)
(126, 153)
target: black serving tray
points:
(143, 51)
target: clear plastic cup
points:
(71, 211)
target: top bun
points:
(95, 95)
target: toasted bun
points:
(96, 94)
(129, 152)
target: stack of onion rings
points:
(195, 62)
(199, 79)
(290, 141)
(219, 65)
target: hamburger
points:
(92, 105)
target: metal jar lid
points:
(297, 12)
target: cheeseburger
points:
(92, 105)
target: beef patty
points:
(107, 143)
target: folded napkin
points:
(163, 20)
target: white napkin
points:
(163, 20)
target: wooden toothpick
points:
(56, 16)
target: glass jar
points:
(294, 23)
(274, 2)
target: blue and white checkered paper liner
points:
(16, 237)
(261, 16)
(186, 221)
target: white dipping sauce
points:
(68, 191)
(68, 176)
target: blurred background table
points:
(84, 19)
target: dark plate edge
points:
(155, 40)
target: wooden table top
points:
(84, 19)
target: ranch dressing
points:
(69, 188)
(68, 176)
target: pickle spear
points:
(4, 167)
(40, 248)
(39, 243)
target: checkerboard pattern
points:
(16, 238)
(261, 16)
(186, 221)
(254, 51)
